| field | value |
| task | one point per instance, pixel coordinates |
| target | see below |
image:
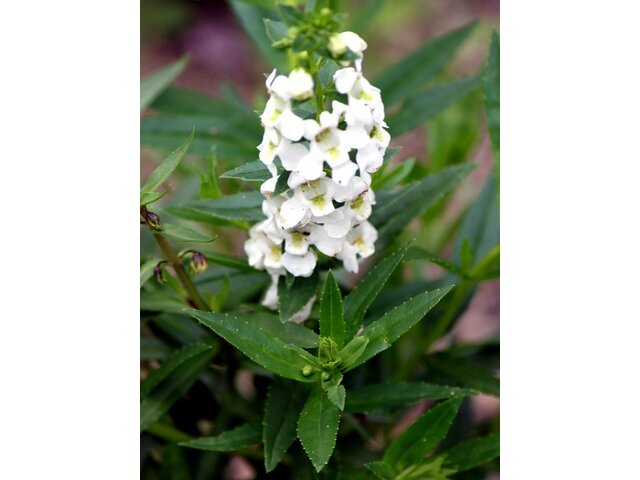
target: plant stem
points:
(173, 260)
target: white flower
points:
(299, 265)
(300, 84)
(337, 46)
(359, 242)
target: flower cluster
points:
(326, 162)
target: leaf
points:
(388, 180)
(406, 203)
(465, 372)
(271, 353)
(331, 312)
(385, 397)
(351, 352)
(250, 18)
(230, 441)
(209, 185)
(228, 261)
(185, 234)
(491, 87)
(282, 409)
(292, 300)
(407, 76)
(392, 325)
(480, 225)
(472, 453)
(365, 292)
(166, 167)
(416, 253)
(423, 436)
(147, 198)
(381, 470)
(318, 427)
(172, 362)
(289, 333)
(152, 85)
(241, 206)
(153, 349)
(146, 270)
(249, 172)
(275, 30)
(158, 402)
(337, 395)
(425, 105)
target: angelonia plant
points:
(300, 360)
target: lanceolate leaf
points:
(230, 441)
(423, 436)
(425, 105)
(465, 372)
(472, 453)
(292, 300)
(411, 200)
(185, 234)
(146, 270)
(166, 167)
(383, 332)
(152, 85)
(406, 77)
(249, 172)
(416, 253)
(147, 198)
(156, 403)
(331, 312)
(241, 206)
(386, 397)
(289, 333)
(172, 362)
(491, 86)
(281, 412)
(361, 297)
(263, 348)
(318, 427)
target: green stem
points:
(173, 260)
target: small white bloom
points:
(299, 265)
(300, 84)
(337, 46)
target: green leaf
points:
(425, 105)
(381, 470)
(249, 172)
(331, 312)
(228, 261)
(271, 353)
(284, 402)
(385, 397)
(406, 203)
(288, 332)
(292, 300)
(488, 266)
(146, 270)
(153, 349)
(363, 295)
(465, 372)
(410, 74)
(388, 180)
(158, 402)
(318, 427)
(166, 167)
(275, 30)
(185, 234)
(250, 18)
(172, 362)
(152, 85)
(472, 453)
(209, 185)
(147, 198)
(392, 325)
(423, 436)
(241, 206)
(491, 87)
(230, 441)
(416, 253)
(337, 395)
(351, 352)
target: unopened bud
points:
(307, 370)
(151, 218)
(337, 46)
(325, 376)
(198, 262)
(158, 273)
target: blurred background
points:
(221, 54)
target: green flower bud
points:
(307, 370)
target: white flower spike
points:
(328, 161)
